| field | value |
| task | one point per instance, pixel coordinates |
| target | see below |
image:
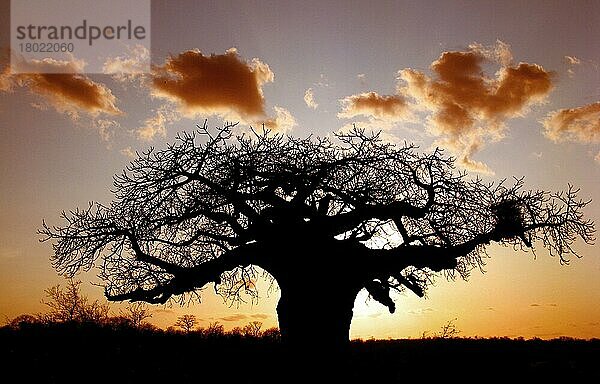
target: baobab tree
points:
(325, 217)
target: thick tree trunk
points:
(319, 281)
(321, 316)
(314, 320)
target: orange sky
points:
(509, 88)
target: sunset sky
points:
(510, 88)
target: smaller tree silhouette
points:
(186, 322)
(68, 304)
(252, 329)
(136, 313)
(448, 330)
(215, 329)
(271, 334)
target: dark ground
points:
(80, 354)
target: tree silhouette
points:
(70, 305)
(252, 329)
(213, 330)
(136, 314)
(186, 322)
(325, 217)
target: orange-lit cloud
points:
(386, 107)
(223, 85)
(464, 107)
(70, 93)
(469, 108)
(156, 125)
(282, 122)
(106, 128)
(215, 84)
(128, 152)
(128, 67)
(580, 124)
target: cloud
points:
(362, 78)
(463, 107)
(499, 52)
(156, 124)
(575, 64)
(215, 84)
(597, 157)
(163, 310)
(371, 104)
(236, 317)
(581, 124)
(106, 128)
(260, 316)
(283, 121)
(6, 79)
(128, 67)
(223, 85)
(70, 93)
(323, 81)
(421, 311)
(534, 305)
(128, 152)
(309, 99)
(469, 108)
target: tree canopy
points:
(341, 213)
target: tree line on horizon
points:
(69, 306)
